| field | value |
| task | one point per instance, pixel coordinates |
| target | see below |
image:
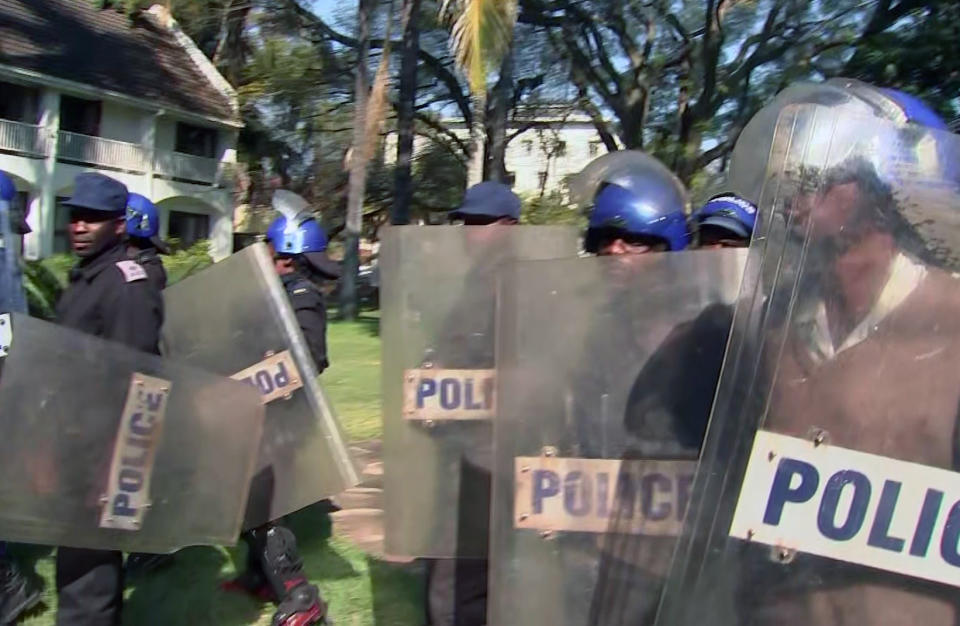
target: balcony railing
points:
(187, 167)
(110, 153)
(25, 139)
(30, 141)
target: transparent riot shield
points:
(439, 290)
(828, 491)
(606, 371)
(234, 318)
(107, 447)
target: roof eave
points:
(96, 92)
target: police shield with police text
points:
(112, 448)
(251, 332)
(438, 321)
(270, 330)
(602, 404)
(827, 492)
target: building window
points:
(80, 116)
(196, 140)
(19, 103)
(528, 146)
(561, 148)
(61, 226)
(594, 148)
(542, 179)
(188, 228)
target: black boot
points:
(300, 603)
(140, 563)
(17, 594)
(302, 606)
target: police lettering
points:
(135, 454)
(456, 393)
(652, 496)
(271, 377)
(844, 503)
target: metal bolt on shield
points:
(784, 555)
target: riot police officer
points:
(109, 296)
(725, 221)
(637, 206)
(835, 331)
(300, 254)
(143, 241)
(487, 203)
(274, 566)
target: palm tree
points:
(480, 36)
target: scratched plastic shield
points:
(234, 318)
(606, 371)
(439, 301)
(72, 466)
(826, 492)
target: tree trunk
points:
(358, 169)
(403, 181)
(475, 164)
(229, 56)
(496, 142)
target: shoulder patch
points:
(132, 271)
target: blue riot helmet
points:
(143, 222)
(8, 190)
(12, 296)
(725, 220)
(297, 233)
(632, 196)
(749, 160)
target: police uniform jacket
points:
(311, 312)
(110, 296)
(150, 260)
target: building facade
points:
(542, 153)
(87, 89)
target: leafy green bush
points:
(551, 208)
(184, 263)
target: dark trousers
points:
(457, 592)
(89, 586)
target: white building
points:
(542, 153)
(84, 89)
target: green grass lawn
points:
(353, 379)
(361, 590)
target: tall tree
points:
(681, 77)
(357, 167)
(406, 109)
(480, 35)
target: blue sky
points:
(324, 8)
